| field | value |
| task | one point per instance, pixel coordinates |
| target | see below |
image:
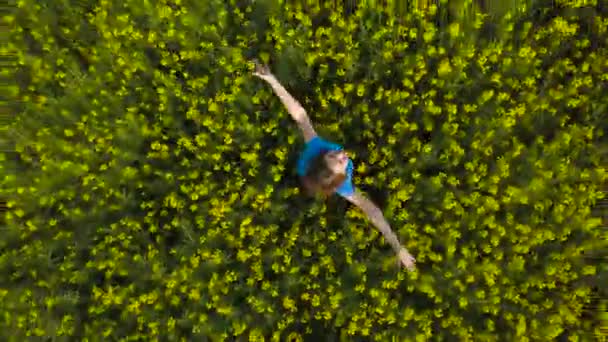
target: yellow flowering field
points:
(151, 185)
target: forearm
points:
(294, 108)
(375, 215)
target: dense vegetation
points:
(152, 191)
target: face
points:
(337, 161)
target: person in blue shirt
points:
(325, 168)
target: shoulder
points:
(313, 141)
(347, 188)
(349, 167)
(318, 143)
(312, 148)
(328, 145)
(314, 145)
(355, 197)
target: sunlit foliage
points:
(152, 194)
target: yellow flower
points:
(444, 68)
(289, 304)
(294, 337)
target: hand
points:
(407, 259)
(262, 71)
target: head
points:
(327, 171)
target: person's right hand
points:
(407, 259)
(262, 71)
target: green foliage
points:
(155, 195)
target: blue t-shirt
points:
(312, 149)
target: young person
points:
(325, 168)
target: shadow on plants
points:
(350, 8)
(378, 195)
(3, 211)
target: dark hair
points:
(320, 179)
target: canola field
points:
(151, 192)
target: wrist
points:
(270, 78)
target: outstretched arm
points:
(294, 108)
(375, 215)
